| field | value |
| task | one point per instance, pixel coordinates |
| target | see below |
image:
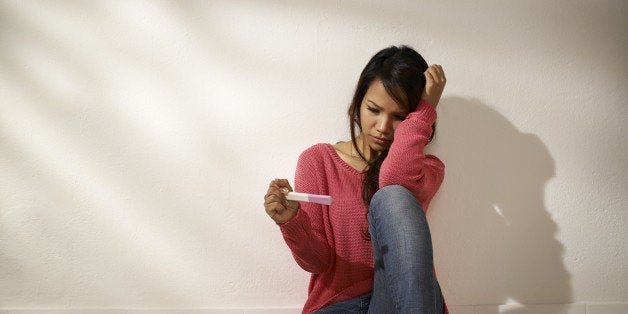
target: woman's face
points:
(379, 117)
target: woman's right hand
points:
(277, 206)
(435, 81)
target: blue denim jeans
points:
(404, 280)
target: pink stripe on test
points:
(319, 199)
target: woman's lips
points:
(380, 140)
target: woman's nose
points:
(384, 125)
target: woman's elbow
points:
(314, 268)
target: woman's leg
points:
(358, 305)
(404, 280)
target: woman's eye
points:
(373, 110)
(400, 118)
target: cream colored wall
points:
(137, 139)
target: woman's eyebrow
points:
(403, 112)
(374, 104)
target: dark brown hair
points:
(400, 69)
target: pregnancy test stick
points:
(312, 198)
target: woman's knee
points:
(394, 198)
(392, 192)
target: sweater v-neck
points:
(334, 154)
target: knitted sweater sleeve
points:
(406, 163)
(306, 233)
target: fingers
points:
(277, 190)
(273, 206)
(435, 81)
(275, 202)
(429, 77)
(281, 184)
(435, 74)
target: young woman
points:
(371, 251)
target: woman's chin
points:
(378, 147)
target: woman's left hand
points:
(434, 84)
(277, 206)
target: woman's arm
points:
(306, 233)
(406, 163)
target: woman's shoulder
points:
(317, 151)
(315, 157)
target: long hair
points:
(400, 69)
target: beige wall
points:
(137, 139)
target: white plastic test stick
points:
(312, 198)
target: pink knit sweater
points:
(328, 241)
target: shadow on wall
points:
(496, 234)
